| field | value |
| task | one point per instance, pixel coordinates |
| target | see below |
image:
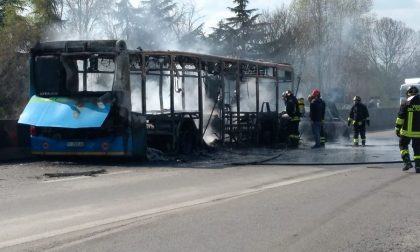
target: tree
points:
(47, 12)
(47, 17)
(414, 69)
(22, 24)
(158, 19)
(127, 18)
(18, 36)
(390, 47)
(189, 28)
(220, 39)
(12, 5)
(287, 37)
(84, 16)
(331, 25)
(241, 34)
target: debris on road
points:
(69, 174)
(155, 155)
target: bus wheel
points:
(186, 142)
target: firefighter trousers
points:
(405, 154)
(359, 129)
(322, 138)
(293, 133)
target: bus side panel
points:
(104, 146)
(138, 135)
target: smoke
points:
(188, 42)
(189, 89)
(327, 58)
(329, 63)
(248, 94)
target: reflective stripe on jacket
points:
(408, 119)
(359, 114)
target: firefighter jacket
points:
(359, 114)
(317, 110)
(292, 108)
(408, 120)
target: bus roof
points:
(77, 46)
(213, 58)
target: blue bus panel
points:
(64, 113)
(105, 146)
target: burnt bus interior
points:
(73, 75)
(185, 97)
(189, 97)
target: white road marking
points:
(166, 209)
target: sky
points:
(407, 11)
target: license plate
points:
(75, 144)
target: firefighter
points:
(407, 128)
(359, 117)
(317, 114)
(294, 114)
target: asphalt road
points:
(364, 210)
(136, 207)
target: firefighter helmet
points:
(413, 90)
(316, 93)
(357, 98)
(286, 94)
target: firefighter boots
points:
(407, 163)
(407, 167)
(417, 163)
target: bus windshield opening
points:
(73, 74)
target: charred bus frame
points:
(181, 128)
(166, 98)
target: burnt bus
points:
(99, 98)
(188, 97)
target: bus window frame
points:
(83, 56)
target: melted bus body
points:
(99, 98)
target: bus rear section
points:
(79, 104)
